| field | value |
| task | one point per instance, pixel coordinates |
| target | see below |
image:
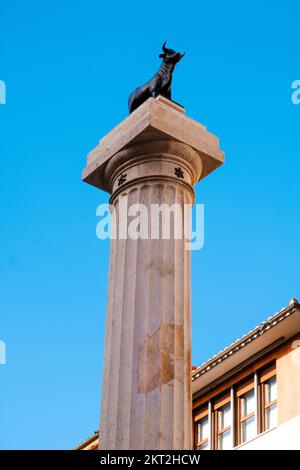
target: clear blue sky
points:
(69, 67)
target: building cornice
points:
(247, 339)
(91, 443)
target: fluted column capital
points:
(164, 160)
(152, 142)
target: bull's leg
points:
(167, 94)
(153, 92)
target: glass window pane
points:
(224, 416)
(248, 403)
(203, 446)
(248, 429)
(225, 441)
(271, 390)
(271, 417)
(203, 429)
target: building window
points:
(202, 430)
(223, 421)
(269, 399)
(247, 427)
(238, 415)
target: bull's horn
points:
(164, 48)
(182, 55)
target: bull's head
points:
(169, 55)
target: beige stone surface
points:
(146, 390)
(156, 119)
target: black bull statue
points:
(160, 84)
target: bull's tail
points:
(131, 100)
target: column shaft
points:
(146, 400)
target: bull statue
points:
(160, 84)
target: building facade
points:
(248, 395)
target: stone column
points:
(155, 156)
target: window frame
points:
(217, 406)
(265, 376)
(241, 389)
(204, 413)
